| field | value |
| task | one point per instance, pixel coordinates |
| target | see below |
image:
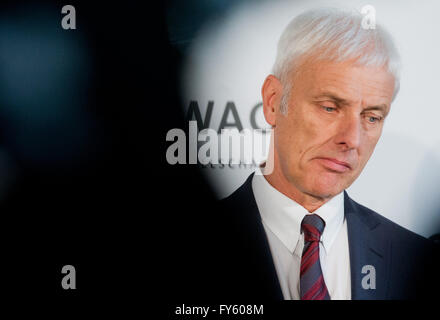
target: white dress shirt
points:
(282, 219)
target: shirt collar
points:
(283, 216)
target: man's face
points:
(335, 117)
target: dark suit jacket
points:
(405, 263)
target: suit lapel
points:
(265, 268)
(368, 246)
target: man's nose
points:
(349, 132)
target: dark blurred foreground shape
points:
(83, 175)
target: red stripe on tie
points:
(322, 294)
(310, 233)
(311, 261)
(314, 289)
(309, 251)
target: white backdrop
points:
(231, 57)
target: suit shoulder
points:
(399, 233)
(240, 196)
(233, 199)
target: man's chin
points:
(325, 192)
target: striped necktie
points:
(312, 285)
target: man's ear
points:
(271, 92)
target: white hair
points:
(333, 35)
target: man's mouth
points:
(334, 164)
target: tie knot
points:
(312, 226)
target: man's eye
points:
(328, 109)
(373, 119)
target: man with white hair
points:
(297, 234)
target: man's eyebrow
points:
(380, 107)
(331, 96)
